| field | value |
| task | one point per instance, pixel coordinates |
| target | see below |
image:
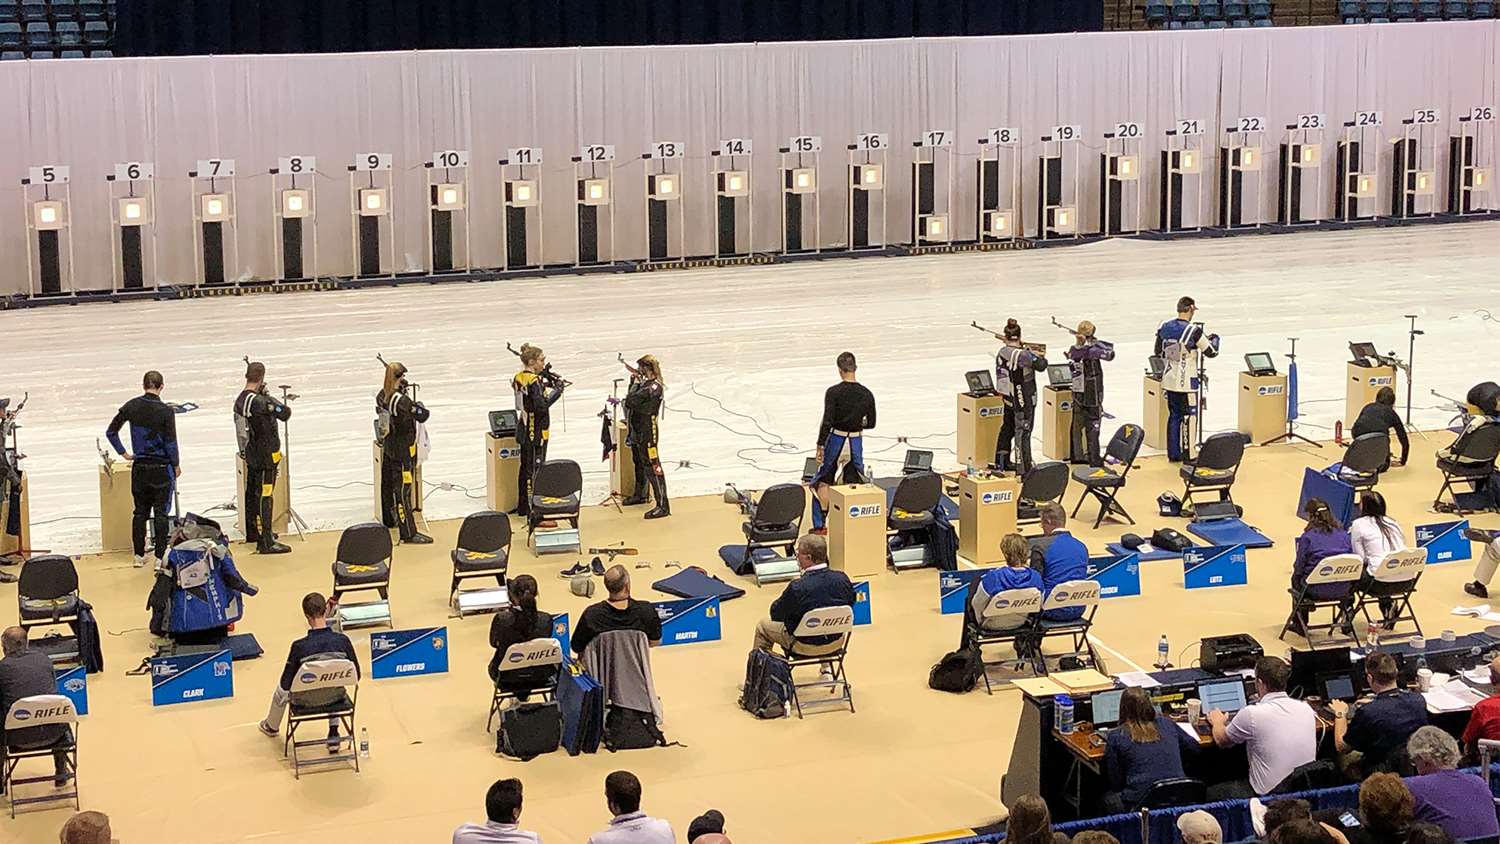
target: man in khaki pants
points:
(817, 587)
(1489, 560)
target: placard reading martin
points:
(192, 677)
(1444, 541)
(406, 653)
(689, 620)
(1214, 565)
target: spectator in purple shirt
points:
(1322, 538)
(1457, 801)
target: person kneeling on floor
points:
(319, 643)
(817, 587)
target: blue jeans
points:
(1179, 408)
(831, 451)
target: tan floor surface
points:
(910, 761)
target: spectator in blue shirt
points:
(1143, 750)
(1017, 573)
(1064, 559)
(319, 643)
(817, 587)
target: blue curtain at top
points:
(204, 27)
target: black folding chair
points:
(483, 548)
(47, 592)
(1364, 460)
(1105, 482)
(556, 493)
(1214, 468)
(911, 508)
(1045, 482)
(1341, 571)
(1472, 461)
(836, 621)
(525, 660)
(991, 624)
(363, 563)
(1399, 572)
(776, 519)
(1178, 791)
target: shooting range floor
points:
(760, 339)
(910, 761)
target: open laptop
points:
(981, 382)
(1260, 363)
(1060, 375)
(1227, 696)
(503, 423)
(1339, 687)
(1364, 354)
(917, 462)
(1106, 708)
(1156, 366)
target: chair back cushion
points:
(782, 504)
(1126, 444)
(1401, 566)
(48, 577)
(1338, 568)
(484, 532)
(557, 479)
(316, 674)
(1045, 482)
(1221, 452)
(1368, 453)
(365, 544)
(1072, 593)
(531, 654)
(825, 621)
(917, 493)
(39, 710)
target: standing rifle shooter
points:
(1038, 348)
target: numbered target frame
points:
(214, 194)
(1182, 164)
(448, 183)
(1470, 162)
(1120, 179)
(372, 184)
(521, 189)
(1300, 161)
(932, 188)
(1357, 182)
(1414, 165)
(869, 162)
(594, 175)
(1059, 170)
(47, 203)
(1241, 164)
(997, 175)
(731, 168)
(132, 219)
(799, 188)
(665, 177)
(294, 210)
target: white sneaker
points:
(140, 561)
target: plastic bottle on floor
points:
(1163, 652)
(364, 742)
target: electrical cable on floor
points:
(59, 519)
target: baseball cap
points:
(1199, 827)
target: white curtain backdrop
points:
(89, 114)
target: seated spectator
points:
(1064, 559)
(1373, 535)
(1375, 739)
(87, 828)
(1145, 749)
(502, 808)
(1279, 733)
(319, 643)
(817, 586)
(617, 612)
(707, 828)
(1017, 573)
(1030, 822)
(1484, 720)
(23, 673)
(1306, 831)
(1279, 812)
(1489, 560)
(1385, 811)
(1321, 538)
(1479, 417)
(1427, 833)
(622, 793)
(520, 622)
(1457, 801)
(1095, 836)
(1199, 827)
(1379, 417)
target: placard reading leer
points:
(406, 653)
(689, 620)
(192, 677)
(953, 586)
(1213, 566)
(1118, 577)
(1444, 541)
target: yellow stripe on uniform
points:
(406, 477)
(275, 458)
(267, 490)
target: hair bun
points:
(1011, 323)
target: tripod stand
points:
(296, 521)
(611, 416)
(1291, 419)
(1411, 349)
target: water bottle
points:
(1163, 652)
(1062, 706)
(364, 742)
(969, 469)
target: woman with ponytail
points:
(520, 622)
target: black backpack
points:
(631, 729)
(768, 685)
(956, 672)
(529, 730)
(1170, 539)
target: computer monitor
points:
(1224, 695)
(1106, 707)
(1339, 687)
(810, 468)
(1362, 352)
(917, 461)
(503, 423)
(1060, 375)
(981, 382)
(1156, 366)
(1260, 363)
(1311, 667)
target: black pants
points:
(151, 487)
(13, 511)
(1085, 434)
(397, 474)
(648, 471)
(1015, 435)
(260, 499)
(532, 458)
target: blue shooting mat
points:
(1119, 550)
(696, 583)
(1229, 532)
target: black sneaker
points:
(418, 539)
(596, 566)
(7, 577)
(575, 570)
(1476, 589)
(1480, 535)
(274, 548)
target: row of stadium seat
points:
(56, 10)
(1385, 11)
(41, 35)
(16, 55)
(1187, 14)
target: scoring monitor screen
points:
(1259, 363)
(1338, 688)
(1107, 708)
(1227, 696)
